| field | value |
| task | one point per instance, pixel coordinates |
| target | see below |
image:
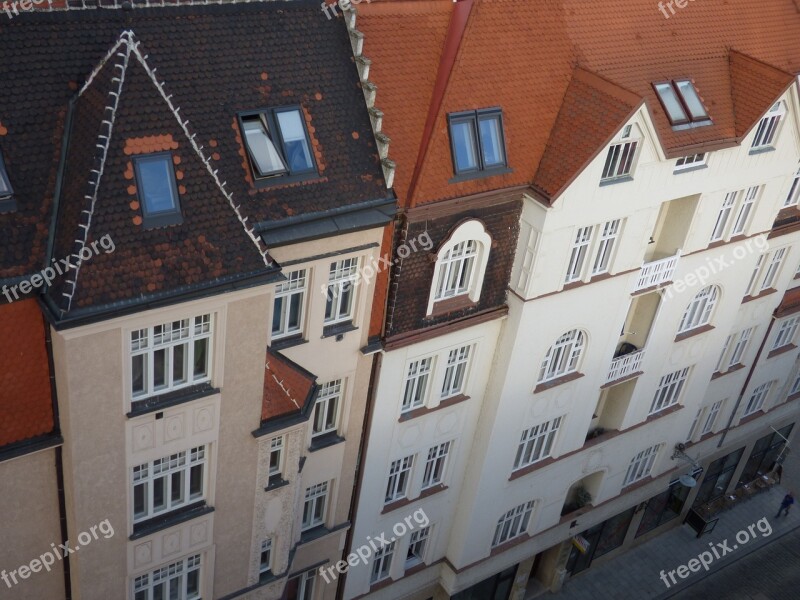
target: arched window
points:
(461, 264)
(698, 313)
(564, 356)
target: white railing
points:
(657, 272)
(624, 365)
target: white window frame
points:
(622, 155)
(145, 343)
(772, 270)
(690, 162)
(417, 546)
(305, 585)
(295, 285)
(768, 127)
(265, 566)
(740, 347)
(757, 398)
(417, 383)
(786, 333)
(711, 417)
(609, 232)
(469, 231)
(456, 371)
(723, 217)
(144, 585)
(316, 495)
(382, 563)
(399, 478)
(794, 191)
(751, 285)
(641, 465)
(276, 447)
(329, 400)
(700, 309)
(513, 523)
(536, 443)
(580, 251)
(340, 298)
(564, 356)
(742, 220)
(668, 392)
(795, 386)
(179, 465)
(435, 471)
(695, 423)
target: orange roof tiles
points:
(26, 408)
(286, 386)
(754, 85)
(790, 303)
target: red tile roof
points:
(26, 408)
(790, 303)
(287, 386)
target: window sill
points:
(424, 410)
(338, 329)
(314, 533)
(279, 180)
(693, 332)
(159, 221)
(690, 169)
(275, 482)
(288, 342)
(394, 505)
(448, 305)
(508, 544)
(623, 179)
(782, 350)
(470, 175)
(8, 205)
(762, 150)
(175, 517)
(325, 441)
(731, 369)
(162, 401)
(556, 382)
(761, 294)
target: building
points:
(649, 327)
(214, 202)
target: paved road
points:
(769, 573)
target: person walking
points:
(788, 500)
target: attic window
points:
(681, 102)
(7, 202)
(158, 192)
(767, 129)
(477, 142)
(277, 145)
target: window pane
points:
(159, 368)
(692, 100)
(491, 141)
(159, 496)
(265, 157)
(200, 358)
(179, 359)
(140, 499)
(294, 140)
(156, 179)
(277, 311)
(295, 303)
(196, 481)
(138, 379)
(464, 144)
(176, 488)
(671, 103)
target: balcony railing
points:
(624, 365)
(657, 272)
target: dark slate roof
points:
(172, 79)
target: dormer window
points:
(158, 192)
(477, 142)
(621, 156)
(767, 129)
(681, 102)
(7, 202)
(278, 146)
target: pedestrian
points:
(788, 500)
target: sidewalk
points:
(636, 573)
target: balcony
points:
(657, 272)
(624, 366)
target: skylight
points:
(681, 102)
(5, 185)
(158, 192)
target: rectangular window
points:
(326, 409)
(399, 476)
(669, 390)
(341, 291)
(435, 465)
(577, 257)
(688, 162)
(641, 465)
(477, 142)
(287, 313)
(771, 274)
(723, 216)
(169, 483)
(795, 386)
(315, 506)
(768, 127)
(608, 238)
(745, 209)
(757, 398)
(456, 372)
(277, 144)
(536, 443)
(751, 285)
(786, 333)
(794, 191)
(693, 428)
(711, 418)
(456, 270)
(382, 563)
(157, 189)
(416, 546)
(722, 362)
(6, 191)
(739, 347)
(177, 581)
(513, 524)
(619, 160)
(300, 587)
(416, 386)
(265, 560)
(170, 356)
(275, 459)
